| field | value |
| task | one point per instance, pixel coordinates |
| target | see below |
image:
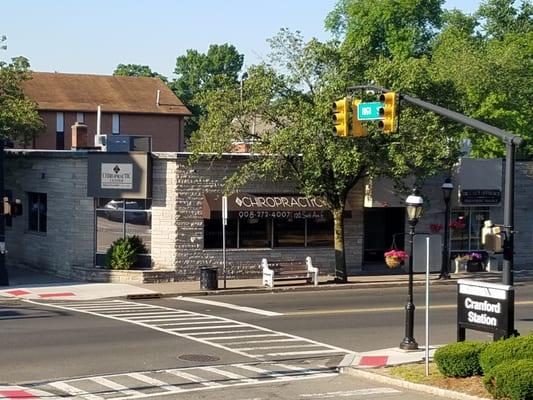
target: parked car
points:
(115, 208)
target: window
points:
(116, 124)
(466, 227)
(60, 131)
(37, 212)
(269, 233)
(119, 218)
(80, 117)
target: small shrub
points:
(459, 359)
(511, 380)
(123, 252)
(514, 348)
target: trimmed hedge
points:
(459, 359)
(514, 348)
(511, 380)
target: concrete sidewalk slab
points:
(386, 357)
(88, 291)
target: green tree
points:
(137, 70)
(487, 57)
(19, 120)
(292, 99)
(198, 72)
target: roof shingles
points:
(84, 93)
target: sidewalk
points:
(37, 285)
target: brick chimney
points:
(79, 136)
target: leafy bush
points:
(123, 252)
(459, 359)
(511, 379)
(514, 348)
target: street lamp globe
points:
(447, 188)
(414, 204)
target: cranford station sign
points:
(485, 306)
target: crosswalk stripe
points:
(192, 323)
(129, 315)
(277, 347)
(241, 336)
(154, 382)
(74, 391)
(192, 378)
(220, 332)
(262, 341)
(296, 353)
(228, 374)
(115, 386)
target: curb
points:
(450, 394)
(346, 286)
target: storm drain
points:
(198, 357)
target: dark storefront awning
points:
(246, 205)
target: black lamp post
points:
(414, 205)
(447, 188)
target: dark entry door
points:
(380, 226)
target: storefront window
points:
(269, 232)
(121, 218)
(465, 227)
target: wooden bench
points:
(288, 271)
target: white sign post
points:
(427, 306)
(224, 223)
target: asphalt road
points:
(160, 340)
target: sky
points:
(93, 37)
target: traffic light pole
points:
(511, 142)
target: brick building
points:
(129, 105)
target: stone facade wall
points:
(208, 176)
(67, 248)
(69, 239)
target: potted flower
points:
(394, 258)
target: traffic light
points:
(340, 117)
(388, 112)
(358, 129)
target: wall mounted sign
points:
(480, 197)
(280, 206)
(485, 306)
(119, 175)
(116, 176)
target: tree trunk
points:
(341, 275)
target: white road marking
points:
(73, 391)
(228, 305)
(192, 378)
(228, 374)
(117, 387)
(349, 393)
(207, 329)
(154, 382)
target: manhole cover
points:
(198, 357)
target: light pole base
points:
(409, 344)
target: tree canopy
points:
(291, 100)
(137, 70)
(198, 72)
(19, 120)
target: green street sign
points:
(369, 111)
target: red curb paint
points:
(45, 295)
(17, 394)
(18, 292)
(373, 361)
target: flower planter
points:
(393, 262)
(474, 266)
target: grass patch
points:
(415, 373)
